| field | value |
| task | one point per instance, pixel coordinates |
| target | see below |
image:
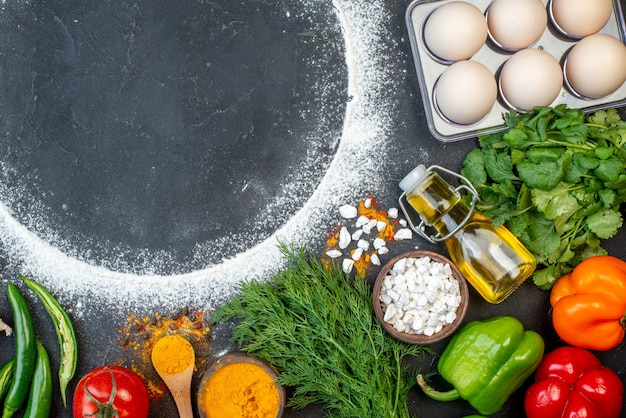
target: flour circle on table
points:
(301, 206)
(165, 136)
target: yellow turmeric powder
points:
(142, 332)
(172, 354)
(240, 390)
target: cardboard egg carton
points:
(493, 57)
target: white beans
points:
(420, 296)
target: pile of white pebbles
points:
(363, 238)
(420, 296)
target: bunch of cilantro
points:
(556, 177)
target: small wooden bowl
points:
(239, 357)
(448, 329)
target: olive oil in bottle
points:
(491, 258)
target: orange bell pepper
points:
(589, 304)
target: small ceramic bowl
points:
(233, 358)
(447, 330)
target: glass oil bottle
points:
(490, 257)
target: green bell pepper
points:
(486, 361)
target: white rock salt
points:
(334, 253)
(422, 298)
(347, 264)
(344, 238)
(348, 211)
(403, 234)
(357, 254)
(383, 250)
(378, 243)
(356, 235)
(361, 220)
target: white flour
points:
(354, 170)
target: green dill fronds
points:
(318, 328)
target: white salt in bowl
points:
(425, 336)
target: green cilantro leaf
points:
(542, 154)
(607, 197)
(545, 278)
(619, 184)
(544, 176)
(603, 152)
(556, 202)
(610, 169)
(474, 168)
(542, 237)
(605, 223)
(511, 118)
(499, 166)
(517, 224)
(516, 138)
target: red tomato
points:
(116, 389)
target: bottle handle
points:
(420, 228)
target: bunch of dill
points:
(317, 327)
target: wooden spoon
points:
(179, 381)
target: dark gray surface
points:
(58, 86)
(154, 113)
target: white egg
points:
(596, 66)
(516, 24)
(579, 18)
(465, 92)
(530, 77)
(455, 31)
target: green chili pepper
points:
(25, 352)
(486, 361)
(6, 376)
(40, 398)
(65, 333)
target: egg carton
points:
(493, 57)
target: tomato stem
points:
(105, 410)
